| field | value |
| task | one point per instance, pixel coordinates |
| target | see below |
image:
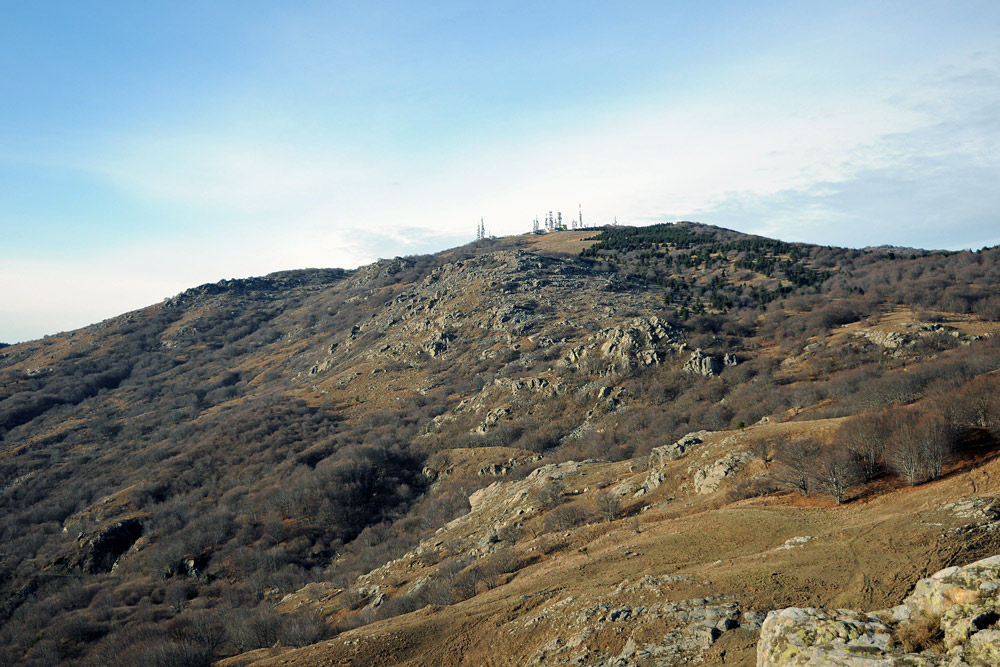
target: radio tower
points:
(481, 230)
(580, 219)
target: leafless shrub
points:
(252, 629)
(466, 584)
(754, 487)
(204, 628)
(550, 494)
(353, 598)
(302, 629)
(501, 562)
(922, 633)
(565, 517)
(177, 594)
(608, 505)
(549, 544)
(509, 533)
(761, 449)
(437, 592)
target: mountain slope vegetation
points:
(170, 476)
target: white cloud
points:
(841, 166)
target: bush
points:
(921, 634)
(565, 517)
(549, 494)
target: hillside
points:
(428, 458)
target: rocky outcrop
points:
(685, 628)
(493, 418)
(951, 618)
(503, 469)
(896, 341)
(531, 386)
(437, 344)
(674, 451)
(708, 479)
(505, 497)
(891, 340)
(664, 454)
(707, 365)
(980, 513)
(99, 551)
(796, 636)
(638, 342)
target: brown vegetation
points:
(268, 434)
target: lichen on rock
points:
(960, 605)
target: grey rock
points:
(708, 479)
(660, 455)
(963, 600)
(703, 364)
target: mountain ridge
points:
(197, 461)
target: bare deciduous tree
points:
(796, 461)
(836, 472)
(864, 436)
(977, 404)
(919, 446)
(608, 504)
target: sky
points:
(150, 147)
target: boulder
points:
(493, 417)
(958, 604)
(707, 480)
(672, 452)
(703, 364)
(797, 636)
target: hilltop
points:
(619, 446)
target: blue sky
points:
(149, 147)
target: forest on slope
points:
(168, 475)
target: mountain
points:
(618, 446)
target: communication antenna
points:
(580, 219)
(534, 227)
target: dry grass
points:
(924, 633)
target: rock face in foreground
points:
(951, 618)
